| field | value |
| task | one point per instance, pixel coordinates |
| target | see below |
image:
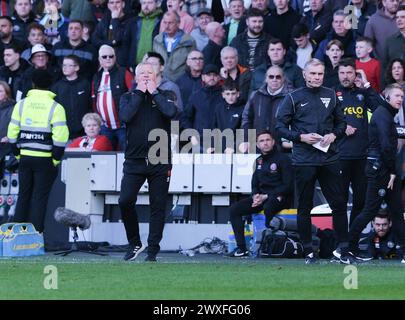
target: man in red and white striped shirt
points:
(109, 84)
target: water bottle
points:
(259, 224)
(231, 241)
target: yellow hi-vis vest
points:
(38, 123)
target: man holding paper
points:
(312, 118)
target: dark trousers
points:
(158, 176)
(353, 173)
(377, 192)
(330, 180)
(36, 176)
(244, 207)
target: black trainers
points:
(238, 253)
(133, 251)
(349, 258)
(363, 256)
(310, 258)
(151, 258)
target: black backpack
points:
(280, 244)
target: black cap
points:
(202, 11)
(41, 79)
(210, 68)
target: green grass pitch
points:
(197, 278)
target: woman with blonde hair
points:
(92, 141)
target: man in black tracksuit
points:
(144, 110)
(381, 172)
(272, 187)
(311, 117)
(356, 97)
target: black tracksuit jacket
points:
(383, 136)
(142, 113)
(273, 175)
(311, 110)
(355, 102)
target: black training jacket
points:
(383, 136)
(355, 103)
(311, 110)
(142, 113)
(273, 175)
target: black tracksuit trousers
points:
(353, 173)
(330, 180)
(158, 176)
(377, 192)
(36, 176)
(244, 207)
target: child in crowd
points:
(370, 66)
(228, 115)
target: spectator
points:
(77, 46)
(98, 9)
(252, 42)
(92, 141)
(113, 30)
(304, 47)
(190, 81)
(395, 72)
(54, 22)
(235, 25)
(370, 66)
(260, 111)
(186, 21)
(200, 110)
(395, 44)
(231, 70)
(342, 31)
(277, 57)
(143, 30)
(173, 45)
(318, 20)
(212, 51)
(363, 10)
(36, 35)
(6, 36)
(6, 108)
(78, 10)
(13, 68)
(381, 25)
(22, 18)
(334, 53)
(73, 92)
(228, 116)
(203, 17)
(281, 21)
(108, 85)
(40, 59)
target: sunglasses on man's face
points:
(105, 57)
(277, 76)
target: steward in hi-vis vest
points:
(38, 134)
